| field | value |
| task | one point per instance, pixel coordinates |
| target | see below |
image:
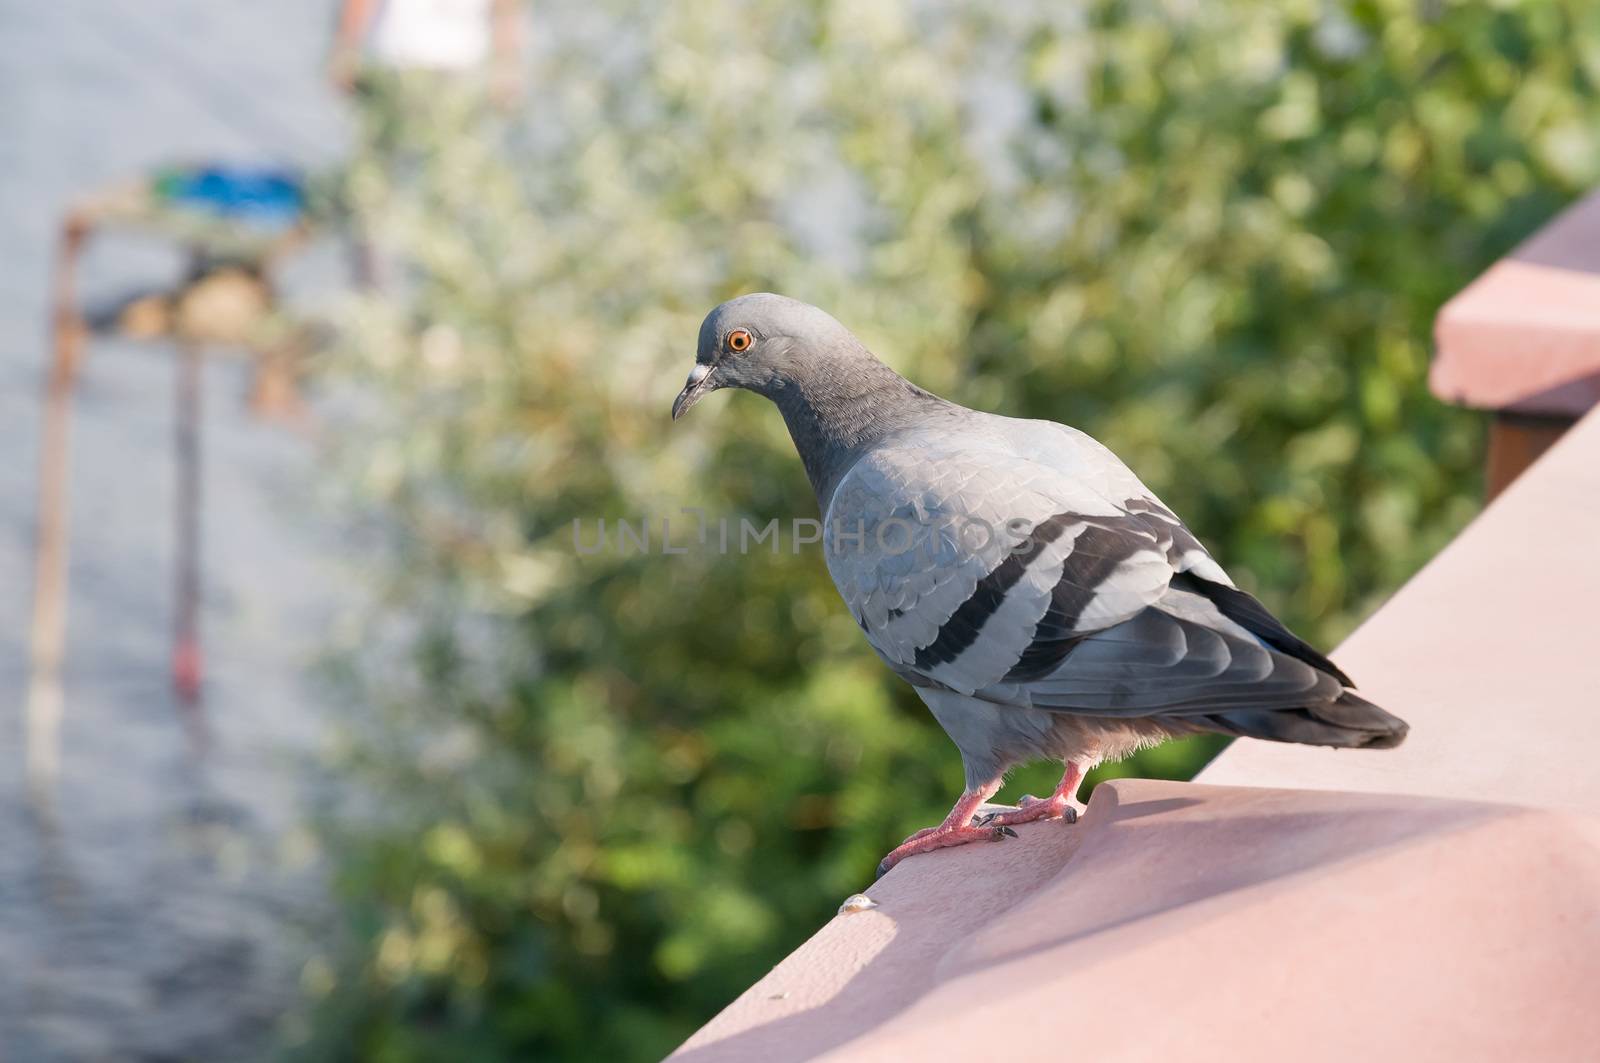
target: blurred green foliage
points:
(596, 796)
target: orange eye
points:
(739, 340)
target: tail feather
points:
(1351, 722)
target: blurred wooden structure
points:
(224, 298)
(1437, 901)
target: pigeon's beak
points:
(693, 390)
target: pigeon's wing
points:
(1179, 657)
(1013, 577)
(1187, 662)
(956, 559)
(1085, 460)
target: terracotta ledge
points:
(1523, 340)
(1179, 921)
(1525, 336)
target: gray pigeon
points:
(1041, 600)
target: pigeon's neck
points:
(836, 416)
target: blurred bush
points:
(594, 796)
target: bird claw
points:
(1068, 814)
(1001, 829)
(943, 837)
(988, 818)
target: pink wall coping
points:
(1180, 921)
(1525, 336)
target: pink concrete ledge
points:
(1178, 921)
(1525, 336)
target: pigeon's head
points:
(762, 343)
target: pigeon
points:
(1041, 600)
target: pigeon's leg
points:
(955, 830)
(1057, 805)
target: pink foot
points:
(942, 837)
(1029, 809)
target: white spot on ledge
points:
(857, 902)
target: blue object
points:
(255, 195)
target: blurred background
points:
(324, 320)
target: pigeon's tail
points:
(1351, 722)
